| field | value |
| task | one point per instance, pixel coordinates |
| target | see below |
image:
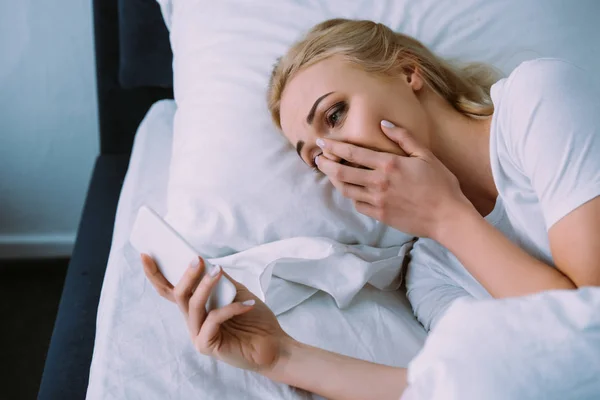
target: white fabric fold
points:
(315, 263)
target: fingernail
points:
(249, 302)
(317, 160)
(321, 143)
(387, 124)
(195, 263)
(214, 271)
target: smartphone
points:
(152, 235)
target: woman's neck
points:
(462, 144)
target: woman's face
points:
(338, 100)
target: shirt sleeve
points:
(554, 131)
(429, 291)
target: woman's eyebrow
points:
(311, 114)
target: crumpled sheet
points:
(316, 264)
(543, 346)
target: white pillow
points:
(235, 182)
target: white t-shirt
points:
(545, 159)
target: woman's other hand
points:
(245, 334)
(414, 193)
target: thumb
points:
(404, 139)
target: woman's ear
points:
(414, 78)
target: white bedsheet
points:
(142, 349)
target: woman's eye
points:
(334, 118)
(336, 115)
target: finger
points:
(370, 210)
(214, 320)
(331, 156)
(345, 173)
(339, 160)
(403, 138)
(156, 278)
(197, 303)
(351, 153)
(188, 283)
(353, 192)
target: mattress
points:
(142, 349)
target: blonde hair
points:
(376, 48)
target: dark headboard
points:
(120, 110)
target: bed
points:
(120, 110)
(107, 317)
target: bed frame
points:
(120, 111)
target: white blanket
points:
(544, 346)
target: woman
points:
(501, 183)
